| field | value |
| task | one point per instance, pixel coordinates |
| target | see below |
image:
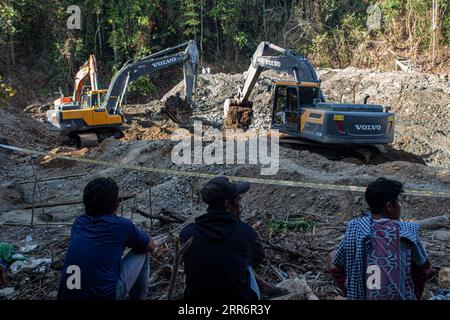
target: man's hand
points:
(338, 272)
(330, 259)
(151, 246)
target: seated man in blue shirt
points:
(96, 246)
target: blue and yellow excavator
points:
(300, 111)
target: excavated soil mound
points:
(420, 103)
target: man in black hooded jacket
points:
(218, 264)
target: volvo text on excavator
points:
(91, 114)
(300, 110)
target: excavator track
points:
(363, 152)
(88, 139)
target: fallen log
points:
(157, 216)
(122, 197)
(278, 248)
(434, 222)
(53, 178)
(162, 238)
(38, 224)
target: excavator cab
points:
(289, 102)
(92, 99)
(300, 111)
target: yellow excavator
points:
(92, 114)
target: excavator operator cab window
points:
(307, 96)
(96, 99)
(85, 99)
(292, 104)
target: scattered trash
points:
(37, 265)
(6, 250)
(18, 256)
(5, 292)
(28, 245)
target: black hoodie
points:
(216, 264)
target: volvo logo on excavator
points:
(368, 127)
(268, 62)
(164, 62)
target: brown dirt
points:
(238, 117)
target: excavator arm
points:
(148, 65)
(288, 62)
(89, 69)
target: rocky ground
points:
(420, 102)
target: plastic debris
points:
(37, 265)
(28, 245)
(5, 292)
(18, 256)
(6, 250)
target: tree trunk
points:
(264, 19)
(114, 42)
(201, 32)
(434, 13)
(217, 37)
(11, 47)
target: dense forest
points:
(38, 53)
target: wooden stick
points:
(176, 263)
(54, 178)
(32, 203)
(175, 216)
(50, 224)
(122, 197)
(162, 238)
(159, 217)
(308, 291)
(282, 249)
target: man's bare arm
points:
(151, 246)
(338, 272)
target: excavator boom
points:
(149, 65)
(288, 62)
(89, 69)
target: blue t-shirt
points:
(96, 247)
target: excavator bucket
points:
(237, 115)
(178, 109)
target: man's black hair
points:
(101, 196)
(382, 190)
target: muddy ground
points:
(419, 158)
